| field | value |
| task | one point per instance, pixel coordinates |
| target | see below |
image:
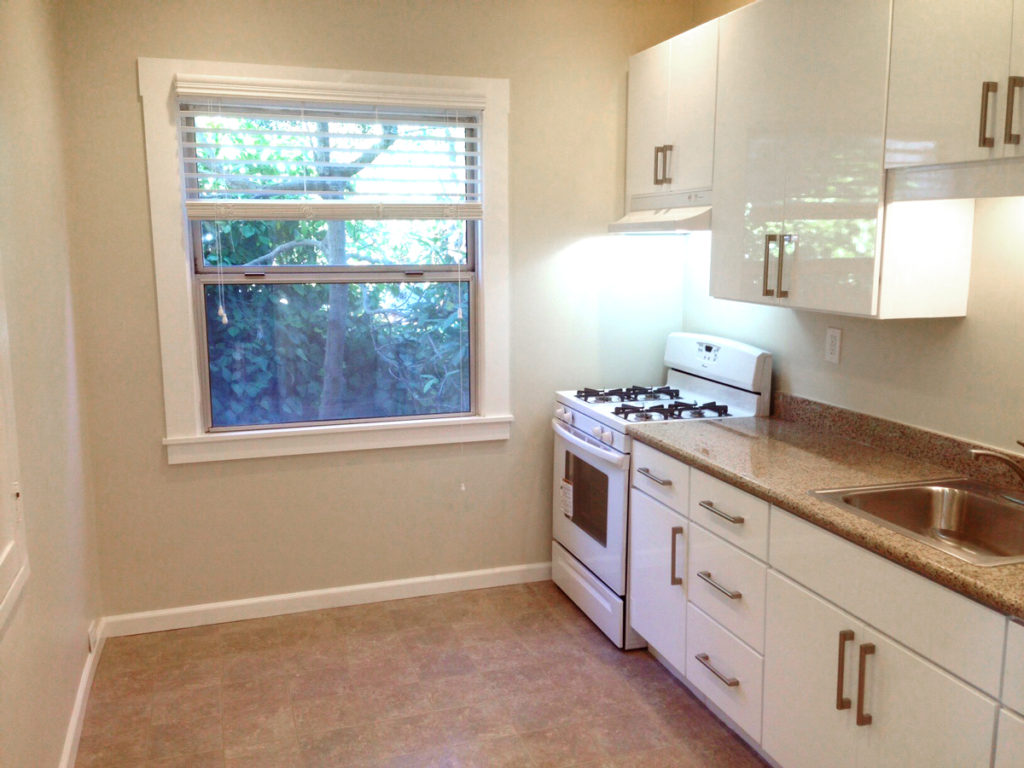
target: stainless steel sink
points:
(973, 521)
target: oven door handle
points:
(617, 460)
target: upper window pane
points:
(309, 152)
(309, 244)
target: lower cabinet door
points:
(1010, 746)
(838, 693)
(657, 568)
(920, 714)
(802, 728)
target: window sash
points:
(317, 272)
(199, 298)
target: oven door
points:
(591, 485)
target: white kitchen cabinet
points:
(1013, 135)
(1013, 672)
(838, 693)
(660, 476)
(671, 119)
(798, 153)
(949, 80)
(732, 514)
(1010, 742)
(798, 172)
(725, 670)
(647, 118)
(657, 570)
(728, 585)
(930, 619)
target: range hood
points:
(663, 220)
(652, 214)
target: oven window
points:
(589, 498)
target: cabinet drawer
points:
(737, 603)
(738, 517)
(1013, 677)
(738, 695)
(1010, 743)
(934, 621)
(660, 476)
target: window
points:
(336, 229)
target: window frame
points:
(188, 437)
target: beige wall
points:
(192, 534)
(44, 648)
(959, 376)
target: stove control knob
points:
(563, 414)
(604, 435)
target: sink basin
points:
(973, 521)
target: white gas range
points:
(708, 378)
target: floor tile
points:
(511, 676)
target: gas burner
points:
(638, 413)
(651, 393)
(704, 411)
(602, 395)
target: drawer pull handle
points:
(987, 89)
(704, 659)
(866, 649)
(732, 594)
(675, 579)
(650, 475)
(1012, 85)
(710, 507)
(842, 702)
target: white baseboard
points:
(74, 732)
(274, 605)
(318, 599)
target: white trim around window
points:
(186, 439)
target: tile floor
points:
(512, 676)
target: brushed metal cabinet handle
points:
(651, 476)
(1015, 82)
(675, 580)
(666, 150)
(706, 577)
(710, 507)
(704, 659)
(783, 239)
(987, 89)
(866, 649)
(768, 240)
(842, 702)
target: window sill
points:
(254, 444)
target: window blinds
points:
(243, 159)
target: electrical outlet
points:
(833, 341)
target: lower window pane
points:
(300, 352)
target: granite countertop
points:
(781, 461)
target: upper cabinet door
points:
(749, 162)
(1013, 127)
(943, 54)
(647, 117)
(691, 108)
(834, 56)
(798, 173)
